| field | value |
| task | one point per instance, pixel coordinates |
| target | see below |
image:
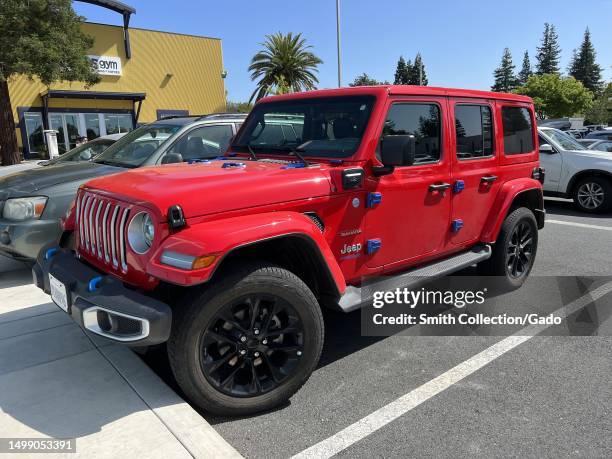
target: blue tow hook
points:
(94, 284)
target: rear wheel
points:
(593, 195)
(514, 251)
(248, 343)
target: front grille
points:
(101, 227)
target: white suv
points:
(573, 171)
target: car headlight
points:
(20, 209)
(141, 232)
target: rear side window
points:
(474, 130)
(518, 130)
(420, 120)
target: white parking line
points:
(388, 413)
(580, 225)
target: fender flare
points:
(506, 195)
(224, 236)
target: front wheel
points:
(247, 343)
(514, 251)
(593, 195)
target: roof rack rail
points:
(170, 117)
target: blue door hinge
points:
(457, 225)
(373, 245)
(373, 199)
(459, 186)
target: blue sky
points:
(461, 41)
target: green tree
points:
(601, 111)
(418, 76)
(284, 65)
(556, 96)
(525, 72)
(41, 39)
(505, 79)
(238, 107)
(366, 80)
(583, 66)
(549, 52)
(401, 71)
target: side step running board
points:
(356, 297)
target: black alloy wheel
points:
(252, 345)
(520, 250)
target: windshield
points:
(563, 140)
(323, 127)
(84, 152)
(135, 148)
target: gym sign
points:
(106, 65)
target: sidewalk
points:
(57, 381)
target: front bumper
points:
(105, 306)
(23, 241)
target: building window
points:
(34, 132)
(117, 124)
(92, 126)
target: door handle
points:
(439, 187)
(488, 178)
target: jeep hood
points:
(216, 186)
(36, 181)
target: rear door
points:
(475, 163)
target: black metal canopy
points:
(123, 9)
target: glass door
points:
(67, 127)
(56, 122)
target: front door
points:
(475, 168)
(412, 219)
(552, 163)
(67, 126)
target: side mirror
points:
(547, 149)
(171, 158)
(396, 150)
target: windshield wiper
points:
(115, 164)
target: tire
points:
(593, 195)
(501, 264)
(206, 345)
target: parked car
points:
(575, 172)
(586, 142)
(32, 202)
(602, 134)
(256, 243)
(84, 152)
(601, 145)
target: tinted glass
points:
(518, 130)
(474, 129)
(563, 140)
(204, 142)
(34, 130)
(135, 148)
(323, 127)
(603, 146)
(92, 124)
(420, 120)
(85, 152)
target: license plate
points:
(58, 293)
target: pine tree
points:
(505, 80)
(583, 66)
(549, 53)
(525, 72)
(400, 72)
(419, 77)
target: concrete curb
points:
(195, 434)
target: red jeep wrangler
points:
(230, 261)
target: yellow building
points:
(145, 75)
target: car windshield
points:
(321, 127)
(84, 152)
(135, 148)
(565, 141)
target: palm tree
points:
(284, 65)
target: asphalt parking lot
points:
(416, 395)
(549, 396)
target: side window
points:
(605, 146)
(474, 130)
(205, 142)
(420, 120)
(518, 130)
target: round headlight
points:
(141, 232)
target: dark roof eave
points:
(67, 94)
(113, 5)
